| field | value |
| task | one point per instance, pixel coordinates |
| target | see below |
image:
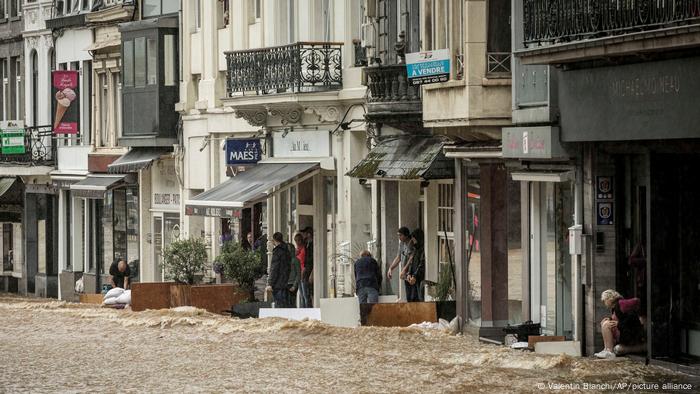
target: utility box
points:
(575, 239)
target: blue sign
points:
(242, 152)
(428, 67)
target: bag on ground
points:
(114, 293)
(124, 298)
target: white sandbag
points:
(125, 298)
(114, 293)
(79, 285)
(110, 301)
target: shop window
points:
(119, 226)
(472, 252)
(7, 245)
(68, 223)
(515, 251)
(445, 236)
(306, 192)
(107, 225)
(132, 230)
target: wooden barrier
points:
(397, 314)
(213, 298)
(91, 298)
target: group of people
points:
(291, 270)
(411, 256)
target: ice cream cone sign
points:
(66, 108)
(63, 100)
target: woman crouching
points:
(623, 331)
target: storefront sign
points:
(301, 144)
(641, 101)
(428, 67)
(240, 152)
(65, 102)
(196, 210)
(12, 133)
(605, 212)
(165, 186)
(532, 143)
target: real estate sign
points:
(12, 134)
(428, 67)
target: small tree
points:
(242, 265)
(184, 259)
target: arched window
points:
(35, 87)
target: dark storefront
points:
(637, 125)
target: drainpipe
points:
(579, 271)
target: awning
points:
(101, 45)
(543, 176)
(95, 186)
(249, 186)
(474, 150)
(136, 159)
(6, 184)
(405, 157)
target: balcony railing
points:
(553, 21)
(498, 64)
(299, 67)
(39, 148)
(390, 84)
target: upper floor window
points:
(254, 11)
(444, 29)
(69, 7)
(222, 11)
(10, 8)
(498, 39)
(151, 8)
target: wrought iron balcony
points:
(554, 21)
(299, 67)
(39, 148)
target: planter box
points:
(397, 314)
(214, 298)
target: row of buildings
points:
(555, 161)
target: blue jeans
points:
(368, 295)
(280, 297)
(305, 298)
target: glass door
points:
(166, 229)
(551, 214)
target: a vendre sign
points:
(428, 67)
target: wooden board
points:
(533, 339)
(216, 298)
(91, 298)
(150, 296)
(397, 314)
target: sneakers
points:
(606, 354)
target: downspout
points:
(579, 281)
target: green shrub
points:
(242, 265)
(184, 259)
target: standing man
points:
(121, 273)
(307, 276)
(368, 278)
(404, 251)
(279, 270)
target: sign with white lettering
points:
(428, 67)
(12, 132)
(198, 210)
(539, 142)
(240, 152)
(301, 144)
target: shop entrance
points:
(166, 229)
(674, 267)
(551, 215)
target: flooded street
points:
(51, 346)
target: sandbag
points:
(125, 298)
(113, 293)
(79, 285)
(110, 301)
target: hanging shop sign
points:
(65, 102)
(540, 142)
(428, 67)
(301, 144)
(239, 152)
(12, 134)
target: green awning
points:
(406, 157)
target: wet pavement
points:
(52, 346)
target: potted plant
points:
(184, 260)
(244, 266)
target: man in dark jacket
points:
(279, 270)
(368, 278)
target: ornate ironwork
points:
(552, 21)
(390, 84)
(498, 64)
(39, 148)
(299, 67)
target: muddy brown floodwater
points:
(52, 346)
